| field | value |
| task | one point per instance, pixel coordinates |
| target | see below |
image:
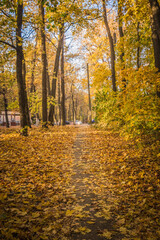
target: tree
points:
(55, 75)
(89, 95)
(3, 92)
(23, 103)
(155, 7)
(155, 24)
(121, 34)
(44, 66)
(111, 46)
(63, 109)
(12, 37)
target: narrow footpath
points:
(88, 220)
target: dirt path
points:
(88, 222)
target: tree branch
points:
(7, 15)
(10, 45)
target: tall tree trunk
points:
(73, 110)
(156, 46)
(23, 103)
(155, 7)
(121, 34)
(33, 88)
(76, 109)
(89, 97)
(155, 25)
(48, 80)
(59, 101)
(111, 46)
(55, 74)
(6, 110)
(24, 82)
(63, 86)
(69, 112)
(138, 47)
(44, 68)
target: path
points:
(88, 222)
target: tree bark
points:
(6, 109)
(138, 47)
(155, 25)
(155, 7)
(44, 68)
(121, 34)
(59, 101)
(33, 88)
(55, 74)
(23, 102)
(63, 109)
(111, 46)
(156, 46)
(89, 96)
(69, 112)
(48, 79)
(24, 82)
(73, 110)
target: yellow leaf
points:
(22, 213)
(84, 230)
(123, 230)
(69, 213)
(47, 229)
(98, 215)
(158, 155)
(78, 208)
(35, 215)
(90, 222)
(121, 221)
(107, 234)
(3, 196)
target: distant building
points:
(13, 118)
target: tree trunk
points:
(63, 86)
(111, 46)
(59, 101)
(121, 34)
(156, 46)
(155, 25)
(89, 97)
(23, 103)
(33, 88)
(6, 110)
(73, 110)
(69, 112)
(24, 82)
(155, 7)
(44, 68)
(55, 74)
(48, 80)
(138, 47)
(76, 109)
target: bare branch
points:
(6, 43)
(7, 15)
(51, 41)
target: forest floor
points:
(78, 183)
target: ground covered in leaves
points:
(78, 183)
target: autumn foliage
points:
(81, 61)
(135, 109)
(60, 183)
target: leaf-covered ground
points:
(78, 183)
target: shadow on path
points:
(88, 224)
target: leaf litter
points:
(78, 183)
